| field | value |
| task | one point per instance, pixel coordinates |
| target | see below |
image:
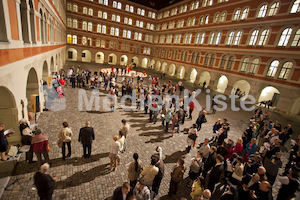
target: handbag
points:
(193, 137)
(59, 143)
(48, 148)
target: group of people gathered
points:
(245, 169)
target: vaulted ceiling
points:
(156, 4)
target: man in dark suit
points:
(86, 136)
(44, 182)
(249, 183)
(215, 173)
(123, 193)
(210, 161)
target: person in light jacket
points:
(65, 135)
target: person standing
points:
(176, 177)
(3, 143)
(150, 172)
(215, 173)
(40, 146)
(86, 137)
(200, 120)
(167, 119)
(191, 139)
(191, 109)
(134, 170)
(114, 153)
(123, 193)
(125, 128)
(44, 182)
(65, 136)
(161, 166)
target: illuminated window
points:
(273, 9)
(127, 8)
(218, 38)
(128, 34)
(114, 4)
(296, 40)
(262, 11)
(104, 15)
(100, 14)
(98, 28)
(103, 29)
(84, 10)
(90, 26)
(117, 31)
(223, 17)
(69, 7)
(90, 12)
(197, 38)
(130, 21)
(296, 7)
(69, 38)
(216, 18)
(131, 9)
(245, 64)
(285, 71)
(236, 15)
(211, 39)
(245, 14)
(273, 68)
(230, 38)
(253, 37)
(75, 8)
(142, 12)
(125, 20)
(84, 42)
(75, 23)
(69, 22)
(118, 18)
(140, 37)
(202, 38)
(254, 66)
(285, 36)
(238, 37)
(206, 19)
(263, 37)
(74, 39)
(84, 25)
(113, 17)
(119, 5)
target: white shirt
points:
(115, 147)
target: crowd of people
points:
(245, 169)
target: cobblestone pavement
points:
(79, 178)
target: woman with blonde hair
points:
(114, 153)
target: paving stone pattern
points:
(79, 178)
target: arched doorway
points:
(157, 65)
(135, 60)
(269, 93)
(181, 72)
(241, 88)
(204, 77)
(52, 66)
(45, 71)
(145, 62)
(172, 70)
(72, 54)
(164, 67)
(9, 114)
(86, 56)
(295, 109)
(193, 75)
(152, 64)
(32, 88)
(112, 59)
(222, 84)
(123, 60)
(99, 57)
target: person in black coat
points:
(210, 161)
(249, 183)
(230, 194)
(215, 173)
(86, 136)
(44, 183)
(124, 189)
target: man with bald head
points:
(264, 192)
(86, 137)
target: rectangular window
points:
(70, 54)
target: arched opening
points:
(164, 67)
(99, 57)
(172, 70)
(181, 72)
(135, 60)
(45, 71)
(9, 114)
(193, 75)
(152, 64)
(86, 56)
(123, 60)
(222, 84)
(145, 62)
(72, 54)
(32, 24)
(32, 89)
(112, 59)
(295, 109)
(204, 79)
(269, 94)
(241, 88)
(157, 65)
(52, 67)
(24, 21)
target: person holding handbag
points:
(191, 139)
(40, 146)
(64, 138)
